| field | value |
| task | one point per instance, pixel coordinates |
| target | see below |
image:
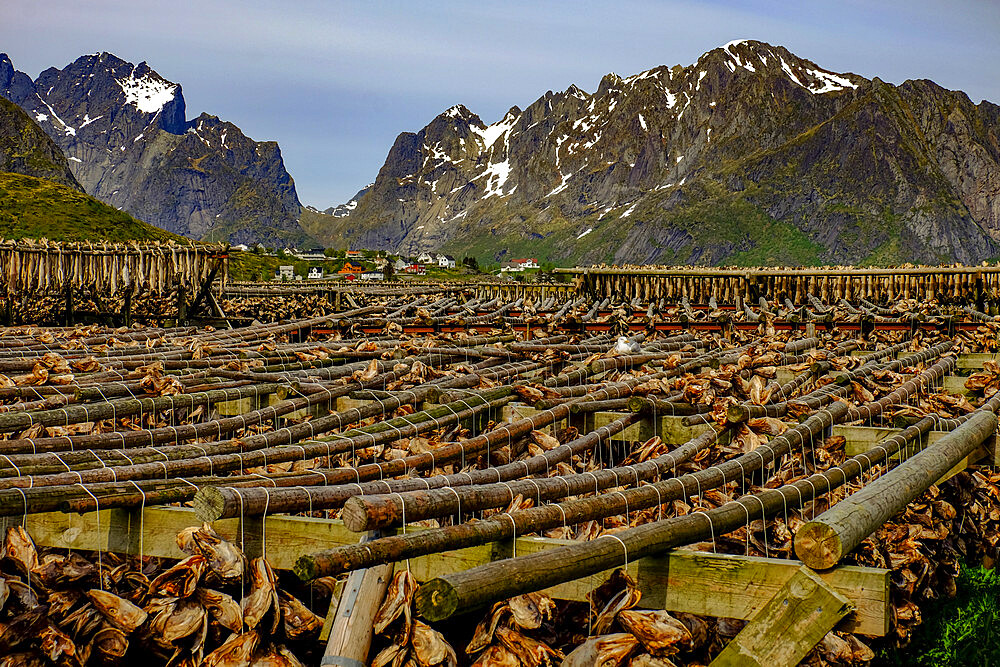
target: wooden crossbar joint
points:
(789, 626)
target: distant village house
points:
(314, 255)
(351, 268)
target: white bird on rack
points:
(626, 346)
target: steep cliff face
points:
(26, 149)
(751, 155)
(123, 128)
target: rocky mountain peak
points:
(124, 129)
(701, 163)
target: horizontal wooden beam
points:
(700, 272)
(695, 582)
(862, 438)
(976, 361)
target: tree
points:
(471, 263)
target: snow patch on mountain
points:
(147, 93)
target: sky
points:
(335, 82)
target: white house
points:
(286, 272)
(314, 255)
(530, 263)
(446, 261)
(373, 275)
(242, 247)
(399, 265)
(511, 267)
(315, 273)
(425, 258)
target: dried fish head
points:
(58, 570)
(234, 652)
(276, 656)
(109, 645)
(398, 601)
(531, 609)
(180, 580)
(19, 548)
(224, 558)
(263, 596)
(222, 607)
(430, 647)
(605, 651)
(119, 611)
(658, 631)
(299, 621)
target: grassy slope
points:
(35, 208)
(959, 631)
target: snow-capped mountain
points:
(750, 155)
(123, 129)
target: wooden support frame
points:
(975, 361)
(670, 428)
(788, 626)
(862, 438)
(681, 580)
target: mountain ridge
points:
(749, 155)
(124, 129)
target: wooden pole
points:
(823, 542)
(353, 625)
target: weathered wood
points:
(353, 623)
(824, 541)
(954, 384)
(695, 582)
(975, 361)
(789, 626)
(442, 597)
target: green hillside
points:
(35, 208)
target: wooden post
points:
(352, 628)
(791, 624)
(127, 306)
(68, 315)
(181, 304)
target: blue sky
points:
(335, 82)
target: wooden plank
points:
(640, 431)
(975, 361)
(862, 438)
(324, 632)
(682, 580)
(789, 626)
(674, 432)
(353, 624)
(783, 376)
(239, 406)
(954, 384)
(514, 411)
(732, 586)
